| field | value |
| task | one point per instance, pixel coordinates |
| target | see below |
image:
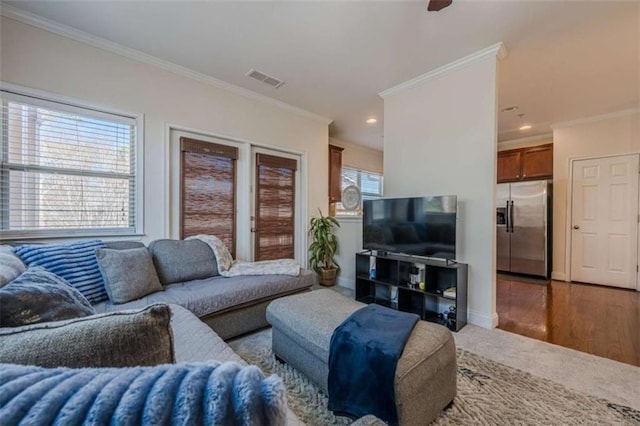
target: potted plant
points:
(323, 248)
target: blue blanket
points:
(177, 394)
(363, 356)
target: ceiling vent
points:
(267, 79)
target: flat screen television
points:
(420, 226)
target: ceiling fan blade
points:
(437, 5)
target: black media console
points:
(391, 286)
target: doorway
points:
(276, 195)
(604, 220)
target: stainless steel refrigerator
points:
(524, 227)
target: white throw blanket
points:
(229, 268)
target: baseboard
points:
(482, 320)
(346, 282)
(558, 276)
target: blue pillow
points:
(40, 296)
(75, 262)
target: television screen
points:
(421, 226)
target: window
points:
(369, 183)
(65, 170)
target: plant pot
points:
(328, 276)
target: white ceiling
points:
(567, 59)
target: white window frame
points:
(67, 104)
(342, 213)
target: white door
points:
(604, 221)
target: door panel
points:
(208, 190)
(529, 236)
(503, 236)
(604, 221)
(275, 207)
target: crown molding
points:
(529, 139)
(595, 118)
(498, 50)
(37, 21)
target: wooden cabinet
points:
(537, 162)
(530, 163)
(509, 164)
(335, 174)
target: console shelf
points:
(391, 286)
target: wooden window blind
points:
(275, 207)
(208, 190)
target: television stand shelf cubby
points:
(391, 286)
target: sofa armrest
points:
(116, 339)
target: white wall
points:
(350, 232)
(440, 138)
(359, 157)
(42, 60)
(525, 142)
(606, 135)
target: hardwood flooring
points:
(599, 320)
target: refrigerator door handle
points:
(508, 217)
(511, 216)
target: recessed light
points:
(510, 108)
(525, 127)
(371, 121)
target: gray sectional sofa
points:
(205, 309)
(230, 306)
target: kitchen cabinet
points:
(335, 174)
(529, 163)
(509, 165)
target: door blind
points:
(65, 170)
(208, 181)
(275, 207)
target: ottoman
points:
(425, 380)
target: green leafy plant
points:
(325, 244)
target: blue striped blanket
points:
(177, 394)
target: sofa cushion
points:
(75, 262)
(182, 260)
(40, 296)
(195, 341)
(10, 265)
(220, 250)
(116, 339)
(128, 274)
(211, 295)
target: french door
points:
(208, 190)
(275, 199)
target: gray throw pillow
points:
(116, 339)
(128, 274)
(40, 296)
(179, 261)
(10, 265)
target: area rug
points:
(489, 393)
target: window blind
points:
(275, 207)
(208, 181)
(65, 170)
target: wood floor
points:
(599, 320)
